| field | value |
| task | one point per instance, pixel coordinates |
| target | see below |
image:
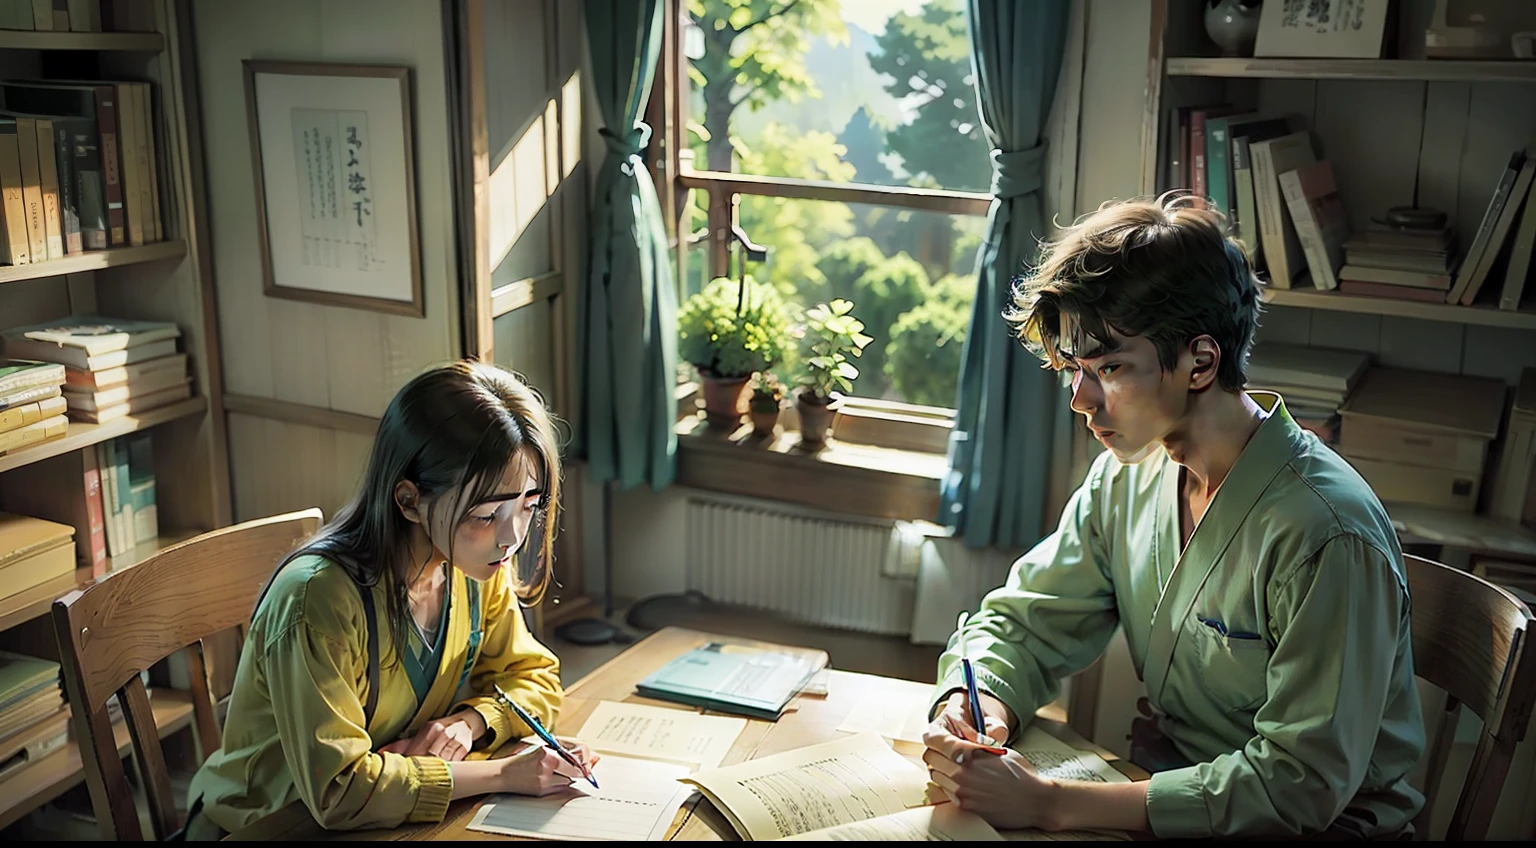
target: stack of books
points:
(34, 553)
(1315, 382)
(33, 718)
(1398, 263)
(113, 367)
(31, 403)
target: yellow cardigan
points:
(295, 731)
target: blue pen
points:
(538, 728)
(978, 720)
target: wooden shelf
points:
(133, 42)
(82, 435)
(51, 776)
(94, 260)
(1355, 69)
(1476, 533)
(1487, 316)
(29, 604)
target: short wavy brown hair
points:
(1164, 269)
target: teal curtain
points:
(627, 309)
(1000, 453)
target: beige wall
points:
(328, 357)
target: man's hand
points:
(955, 719)
(1001, 788)
(450, 737)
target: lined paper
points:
(658, 733)
(638, 801)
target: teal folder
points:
(733, 679)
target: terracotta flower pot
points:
(817, 418)
(765, 421)
(725, 399)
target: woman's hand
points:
(450, 738)
(538, 770)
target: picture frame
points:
(335, 178)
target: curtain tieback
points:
(1016, 173)
(630, 143)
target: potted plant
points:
(832, 337)
(729, 331)
(767, 398)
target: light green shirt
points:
(1303, 714)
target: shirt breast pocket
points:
(1233, 664)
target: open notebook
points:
(857, 788)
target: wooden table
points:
(810, 720)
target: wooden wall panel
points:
(267, 479)
(344, 359)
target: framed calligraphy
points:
(335, 184)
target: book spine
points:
(1216, 167)
(1308, 230)
(69, 193)
(107, 127)
(48, 164)
(1197, 152)
(128, 162)
(95, 516)
(32, 188)
(13, 205)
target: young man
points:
(1257, 577)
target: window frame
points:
(871, 421)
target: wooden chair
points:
(113, 630)
(1471, 639)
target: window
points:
(833, 148)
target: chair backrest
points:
(1471, 639)
(113, 630)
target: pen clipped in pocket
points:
(1237, 639)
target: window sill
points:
(853, 479)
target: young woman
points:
(422, 566)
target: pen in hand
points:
(539, 730)
(978, 719)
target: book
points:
(1390, 291)
(1314, 367)
(31, 434)
(13, 205)
(1500, 231)
(33, 551)
(75, 340)
(22, 675)
(141, 488)
(136, 405)
(17, 417)
(732, 679)
(22, 397)
(1317, 211)
(1518, 272)
(106, 378)
(1283, 256)
(157, 380)
(18, 374)
(1495, 208)
(1396, 277)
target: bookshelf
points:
(165, 280)
(1399, 132)
(1351, 69)
(128, 42)
(55, 773)
(93, 260)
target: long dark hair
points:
(455, 427)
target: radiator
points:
(817, 569)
